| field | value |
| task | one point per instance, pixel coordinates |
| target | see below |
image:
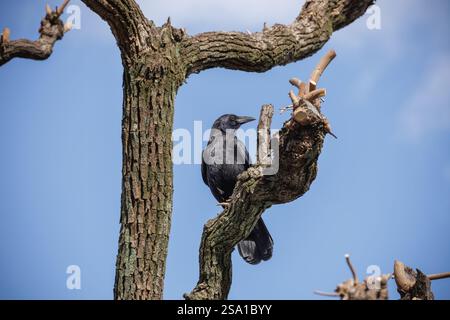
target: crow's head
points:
(230, 122)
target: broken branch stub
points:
(5, 35)
(412, 285)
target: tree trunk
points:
(147, 182)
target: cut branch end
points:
(312, 85)
(5, 35)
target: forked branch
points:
(51, 30)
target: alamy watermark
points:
(73, 281)
(374, 279)
(373, 22)
(74, 18)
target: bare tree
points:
(156, 62)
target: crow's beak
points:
(244, 119)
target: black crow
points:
(223, 159)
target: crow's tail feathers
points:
(258, 245)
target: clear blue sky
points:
(382, 191)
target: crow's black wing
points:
(212, 174)
(204, 173)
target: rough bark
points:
(153, 73)
(156, 61)
(146, 186)
(278, 45)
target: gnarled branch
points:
(298, 147)
(127, 22)
(51, 30)
(278, 45)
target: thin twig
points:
(352, 269)
(437, 276)
(326, 294)
(223, 204)
(5, 35)
(284, 109)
